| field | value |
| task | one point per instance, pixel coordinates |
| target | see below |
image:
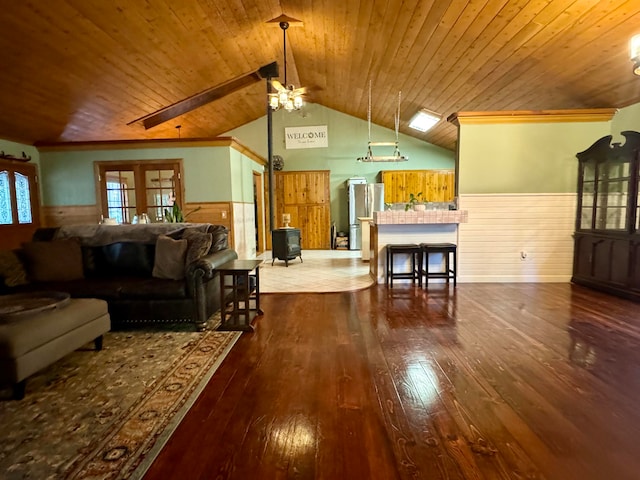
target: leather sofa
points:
(119, 264)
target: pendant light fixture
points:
(395, 156)
(286, 95)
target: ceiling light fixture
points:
(634, 53)
(286, 96)
(395, 156)
(424, 120)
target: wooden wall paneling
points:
(57, 216)
(217, 213)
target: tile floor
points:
(320, 271)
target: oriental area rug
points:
(107, 414)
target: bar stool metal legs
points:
(416, 263)
(445, 249)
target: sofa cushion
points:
(12, 269)
(57, 260)
(125, 258)
(151, 288)
(169, 258)
(199, 244)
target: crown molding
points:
(533, 116)
(231, 142)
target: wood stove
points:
(285, 244)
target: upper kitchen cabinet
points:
(435, 185)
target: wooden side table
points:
(237, 294)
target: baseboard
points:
(514, 278)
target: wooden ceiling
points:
(80, 70)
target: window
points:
(128, 189)
(18, 194)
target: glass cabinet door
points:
(604, 195)
(587, 195)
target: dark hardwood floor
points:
(492, 381)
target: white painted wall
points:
(502, 227)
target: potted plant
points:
(175, 215)
(414, 201)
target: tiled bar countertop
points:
(398, 226)
(399, 217)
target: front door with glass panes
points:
(130, 189)
(19, 203)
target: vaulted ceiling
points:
(81, 70)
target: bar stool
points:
(416, 263)
(446, 249)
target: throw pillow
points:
(169, 259)
(12, 269)
(57, 260)
(220, 236)
(199, 244)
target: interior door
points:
(131, 188)
(305, 196)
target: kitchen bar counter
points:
(427, 226)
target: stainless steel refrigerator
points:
(364, 199)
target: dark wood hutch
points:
(607, 236)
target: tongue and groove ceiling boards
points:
(81, 70)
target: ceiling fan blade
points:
(277, 85)
(204, 97)
(300, 91)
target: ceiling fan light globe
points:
(297, 102)
(288, 106)
(273, 102)
(283, 97)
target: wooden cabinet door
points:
(305, 196)
(435, 185)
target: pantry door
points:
(305, 196)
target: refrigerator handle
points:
(366, 201)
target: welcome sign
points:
(306, 137)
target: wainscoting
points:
(237, 217)
(504, 228)
(244, 230)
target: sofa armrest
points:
(205, 266)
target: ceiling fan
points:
(286, 96)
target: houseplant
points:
(175, 215)
(413, 201)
